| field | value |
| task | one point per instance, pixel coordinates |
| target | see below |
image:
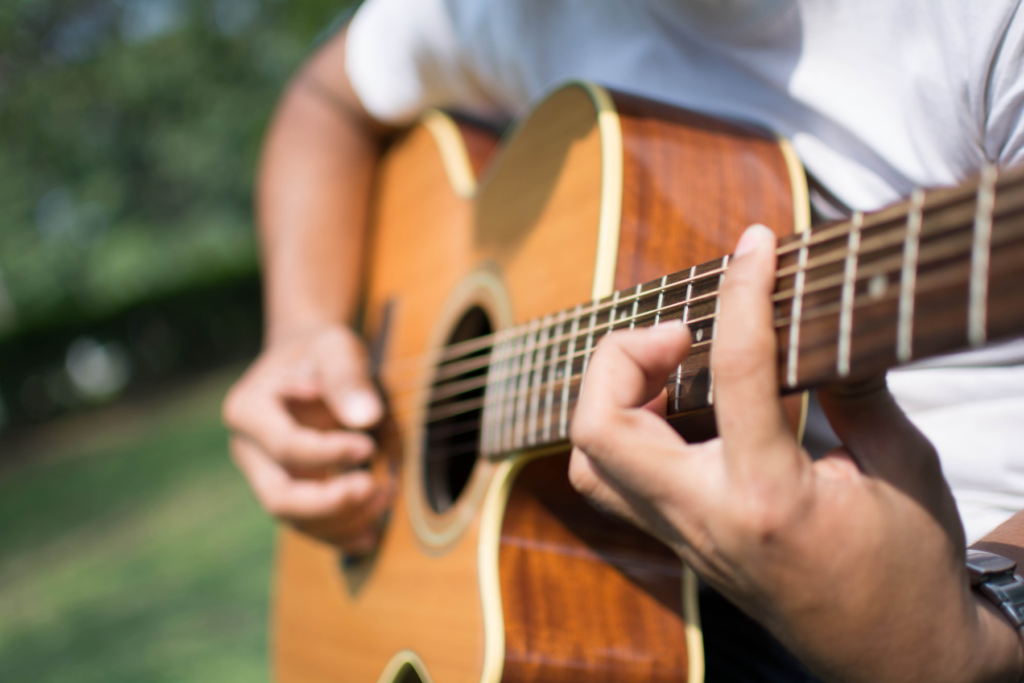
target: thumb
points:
(343, 371)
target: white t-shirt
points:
(877, 96)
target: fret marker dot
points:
(877, 286)
(700, 334)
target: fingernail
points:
(673, 325)
(751, 239)
(361, 408)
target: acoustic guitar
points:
(494, 270)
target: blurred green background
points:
(130, 550)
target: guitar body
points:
(498, 571)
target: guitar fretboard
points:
(933, 274)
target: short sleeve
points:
(1004, 129)
(403, 56)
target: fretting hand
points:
(854, 561)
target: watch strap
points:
(993, 576)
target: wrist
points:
(998, 648)
(281, 333)
(299, 308)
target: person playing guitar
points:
(878, 97)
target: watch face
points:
(981, 564)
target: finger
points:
(627, 371)
(748, 411)
(302, 500)
(253, 410)
(630, 369)
(359, 545)
(356, 532)
(606, 494)
(592, 484)
(300, 386)
(626, 445)
(343, 371)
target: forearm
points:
(1007, 540)
(314, 182)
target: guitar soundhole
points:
(452, 431)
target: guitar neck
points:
(937, 273)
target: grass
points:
(131, 550)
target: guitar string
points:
(667, 312)
(474, 404)
(536, 436)
(836, 232)
(887, 267)
(533, 437)
(812, 287)
(478, 403)
(876, 245)
(471, 346)
(445, 412)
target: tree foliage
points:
(129, 132)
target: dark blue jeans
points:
(738, 650)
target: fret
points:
(848, 296)
(563, 418)
(908, 278)
(485, 423)
(537, 380)
(714, 331)
(589, 346)
(797, 310)
(523, 393)
(611, 318)
(636, 302)
(511, 389)
(495, 393)
(499, 394)
(518, 391)
(686, 317)
(661, 300)
(981, 251)
(553, 374)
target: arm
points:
(1007, 540)
(312, 190)
(854, 561)
(312, 194)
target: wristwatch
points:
(993, 576)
